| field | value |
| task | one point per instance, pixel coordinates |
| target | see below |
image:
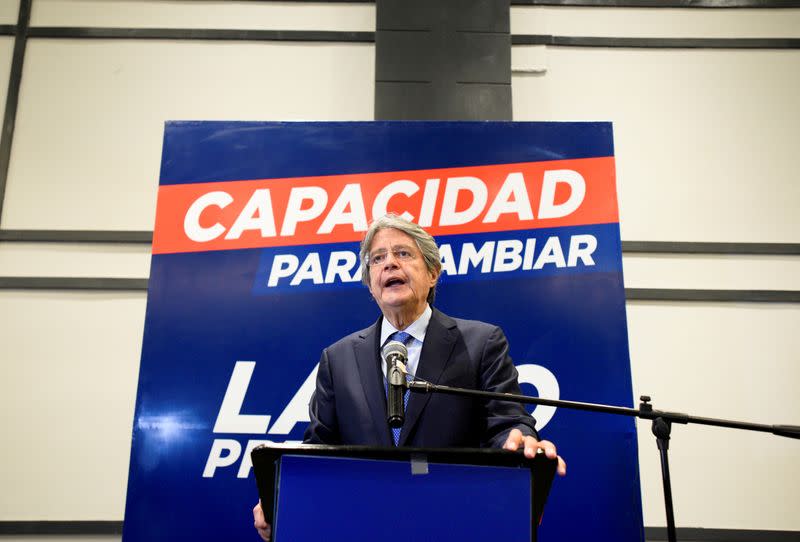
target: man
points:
(401, 268)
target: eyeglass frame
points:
(396, 252)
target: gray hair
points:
(425, 243)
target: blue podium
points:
(352, 493)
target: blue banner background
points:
(205, 312)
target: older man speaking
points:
(401, 266)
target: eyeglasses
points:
(403, 254)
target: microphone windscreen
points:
(395, 348)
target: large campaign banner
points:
(255, 270)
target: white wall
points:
(68, 402)
(705, 149)
(86, 155)
(705, 145)
(720, 360)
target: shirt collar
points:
(417, 329)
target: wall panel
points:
(204, 14)
(653, 23)
(74, 260)
(733, 361)
(70, 368)
(704, 139)
(711, 272)
(87, 146)
(9, 9)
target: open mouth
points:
(394, 281)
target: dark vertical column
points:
(443, 60)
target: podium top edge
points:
(472, 456)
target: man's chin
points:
(397, 301)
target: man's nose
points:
(391, 260)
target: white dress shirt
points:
(417, 331)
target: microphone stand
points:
(662, 425)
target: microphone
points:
(396, 354)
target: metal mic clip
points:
(397, 374)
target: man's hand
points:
(264, 529)
(531, 446)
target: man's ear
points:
(434, 274)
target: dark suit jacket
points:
(349, 403)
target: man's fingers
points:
(531, 446)
(550, 451)
(562, 467)
(258, 517)
(265, 533)
(549, 448)
(260, 523)
(513, 441)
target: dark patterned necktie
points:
(405, 338)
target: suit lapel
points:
(369, 370)
(440, 337)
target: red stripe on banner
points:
(337, 208)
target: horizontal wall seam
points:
(60, 528)
(654, 534)
(631, 294)
(369, 37)
(632, 247)
(655, 43)
(199, 34)
(704, 4)
(699, 247)
(651, 533)
(76, 236)
(72, 283)
(746, 296)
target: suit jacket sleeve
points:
(324, 425)
(498, 374)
